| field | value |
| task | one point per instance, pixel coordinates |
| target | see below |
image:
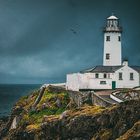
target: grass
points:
(35, 117)
(104, 134)
(87, 110)
(32, 127)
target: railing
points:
(100, 101)
(112, 96)
(112, 29)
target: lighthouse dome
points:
(112, 17)
(112, 24)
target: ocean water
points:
(9, 95)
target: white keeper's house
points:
(113, 73)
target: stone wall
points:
(98, 100)
(80, 97)
(89, 97)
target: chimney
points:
(125, 63)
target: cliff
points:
(55, 117)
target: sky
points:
(43, 40)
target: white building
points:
(113, 73)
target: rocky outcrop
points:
(132, 134)
(3, 123)
(85, 124)
(8, 121)
(15, 122)
(51, 119)
(41, 92)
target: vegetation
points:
(86, 110)
(50, 104)
(104, 134)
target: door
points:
(113, 84)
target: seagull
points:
(74, 32)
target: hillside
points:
(56, 117)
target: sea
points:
(11, 93)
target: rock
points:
(64, 115)
(3, 123)
(55, 89)
(107, 125)
(44, 105)
(50, 118)
(58, 102)
(132, 134)
(15, 122)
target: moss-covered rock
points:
(50, 104)
(132, 134)
(51, 119)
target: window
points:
(120, 76)
(102, 82)
(105, 76)
(131, 76)
(96, 75)
(107, 56)
(107, 38)
(108, 75)
(119, 38)
(111, 23)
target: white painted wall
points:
(76, 81)
(113, 47)
(94, 83)
(72, 82)
(126, 82)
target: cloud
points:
(44, 40)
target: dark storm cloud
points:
(42, 40)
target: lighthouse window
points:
(119, 38)
(107, 56)
(107, 38)
(131, 76)
(115, 23)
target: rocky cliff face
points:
(45, 122)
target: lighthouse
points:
(112, 42)
(113, 74)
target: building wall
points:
(95, 83)
(76, 81)
(126, 82)
(72, 82)
(113, 47)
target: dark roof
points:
(137, 68)
(102, 69)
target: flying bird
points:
(73, 31)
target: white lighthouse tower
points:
(112, 42)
